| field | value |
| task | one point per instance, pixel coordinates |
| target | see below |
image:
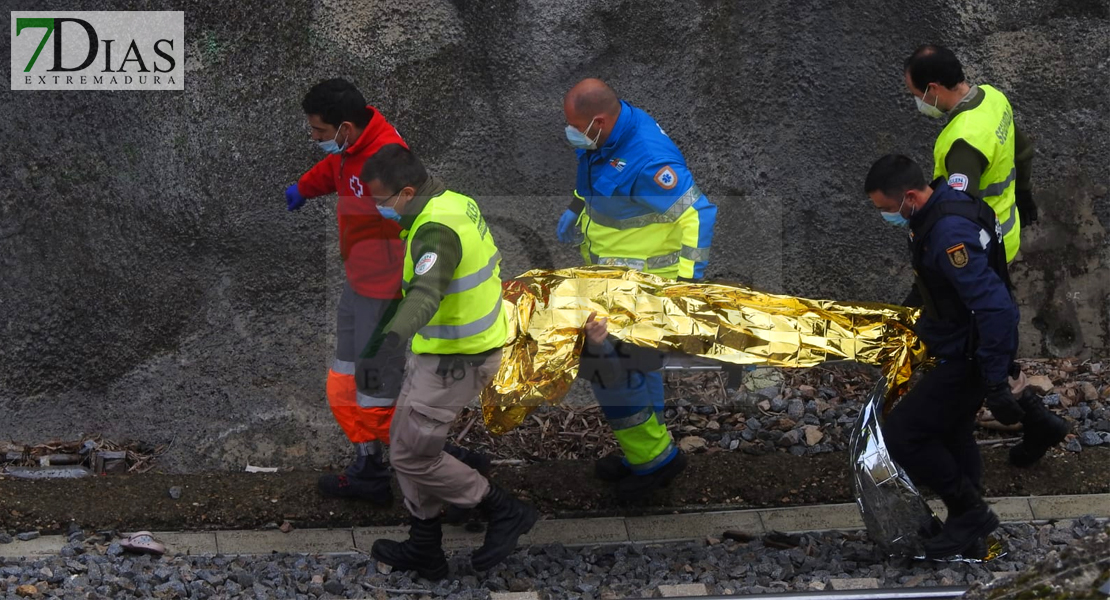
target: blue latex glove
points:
(566, 231)
(293, 198)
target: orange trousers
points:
(362, 418)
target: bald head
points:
(591, 97)
(591, 104)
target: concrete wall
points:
(152, 284)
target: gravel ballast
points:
(771, 564)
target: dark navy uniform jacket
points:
(969, 307)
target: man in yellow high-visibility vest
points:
(452, 309)
(980, 151)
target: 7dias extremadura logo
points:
(98, 50)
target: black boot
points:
(368, 478)
(481, 463)
(1043, 429)
(509, 519)
(977, 551)
(422, 552)
(634, 487)
(969, 521)
(475, 460)
(611, 468)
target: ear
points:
(918, 197)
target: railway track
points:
(913, 593)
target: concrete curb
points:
(580, 532)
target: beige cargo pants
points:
(429, 477)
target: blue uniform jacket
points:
(956, 251)
(640, 171)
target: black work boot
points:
(611, 468)
(475, 460)
(422, 552)
(368, 478)
(1042, 429)
(638, 487)
(977, 551)
(456, 515)
(929, 528)
(969, 521)
(509, 518)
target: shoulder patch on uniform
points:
(958, 181)
(666, 178)
(984, 238)
(425, 263)
(957, 255)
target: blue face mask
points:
(581, 140)
(389, 213)
(331, 146)
(895, 218)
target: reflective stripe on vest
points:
(640, 264)
(470, 318)
(685, 201)
(694, 254)
(1010, 222)
(650, 242)
(989, 128)
(457, 332)
(469, 282)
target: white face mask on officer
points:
(929, 110)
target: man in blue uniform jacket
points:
(637, 206)
(969, 324)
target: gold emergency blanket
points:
(726, 323)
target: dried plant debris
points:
(799, 411)
(98, 455)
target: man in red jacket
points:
(350, 131)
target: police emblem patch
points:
(666, 178)
(425, 263)
(958, 181)
(957, 255)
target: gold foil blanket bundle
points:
(725, 323)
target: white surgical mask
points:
(331, 146)
(581, 140)
(929, 110)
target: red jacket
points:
(371, 247)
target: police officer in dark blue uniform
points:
(969, 324)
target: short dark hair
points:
(894, 175)
(396, 167)
(934, 64)
(335, 101)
